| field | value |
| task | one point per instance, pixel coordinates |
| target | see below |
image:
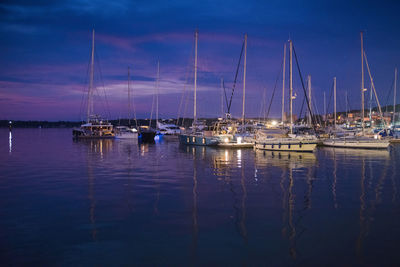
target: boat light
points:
(274, 123)
(226, 140)
(239, 140)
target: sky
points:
(45, 50)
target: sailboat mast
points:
(90, 93)
(334, 100)
(244, 78)
(196, 36)
(362, 82)
(394, 97)
(283, 82)
(157, 89)
(291, 84)
(222, 97)
(129, 98)
(347, 109)
(309, 100)
(324, 108)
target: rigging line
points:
(186, 101)
(133, 103)
(304, 89)
(152, 105)
(83, 90)
(273, 92)
(373, 87)
(262, 106)
(236, 75)
(318, 118)
(388, 95)
(188, 69)
(301, 109)
(348, 104)
(226, 98)
(329, 101)
(107, 106)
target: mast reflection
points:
(290, 163)
(95, 150)
(195, 227)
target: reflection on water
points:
(123, 203)
(9, 142)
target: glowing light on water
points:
(239, 158)
(10, 142)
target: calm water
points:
(111, 202)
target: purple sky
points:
(45, 49)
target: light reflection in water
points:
(9, 142)
(239, 158)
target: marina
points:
(199, 133)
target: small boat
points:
(147, 134)
(124, 132)
(276, 140)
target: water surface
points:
(112, 202)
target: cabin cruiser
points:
(168, 129)
(94, 128)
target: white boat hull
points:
(127, 136)
(368, 144)
(236, 145)
(284, 145)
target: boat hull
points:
(147, 137)
(357, 144)
(236, 145)
(127, 136)
(197, 140)
(294, 146)
(79, 134)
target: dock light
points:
(239, 140)
(10, 122)
(274, 123)
(226, 140)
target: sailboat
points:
(231, 135)
(95, 127)
(147, 132)
(278, 139)
(194, 136)
(361, 141)
(127, 132)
